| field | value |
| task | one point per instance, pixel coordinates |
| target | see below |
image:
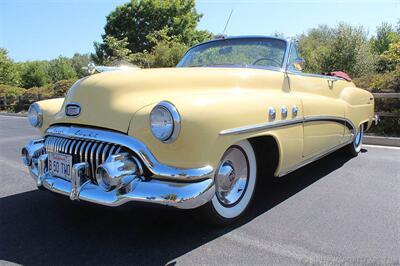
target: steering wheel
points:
(266, 59)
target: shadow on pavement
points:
(38, 228)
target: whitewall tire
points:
(355, 147)
(235, 181)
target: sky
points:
(46, 29)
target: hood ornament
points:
(91, 68)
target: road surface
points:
(334, 211)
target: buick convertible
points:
(199, 135)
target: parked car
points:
(198, 135)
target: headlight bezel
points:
(34, 107)
(176, 121)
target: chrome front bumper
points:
(179, 194)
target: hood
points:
(110, 99)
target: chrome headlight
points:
(165, 122)
(35, 115)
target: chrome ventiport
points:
(295, 110)
(284, 112)
(271, 113)
(117, 171)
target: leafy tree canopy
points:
(34, 73)
(60, 69)
(343, 47)
(8, 72)
(130, 27)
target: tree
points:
(78, 61)
(385, 35)
(60, 69)
(392, 55)
(129, 26)
(342, 47)
(113, 51)
(8, 72)
(34, 73)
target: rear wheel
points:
(235, 181)
(355, 147)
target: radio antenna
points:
(227, 22)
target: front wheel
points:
(235, 181)
(355, 147)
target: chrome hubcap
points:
(359, 136)
(232, 177)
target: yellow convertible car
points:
(198, 135)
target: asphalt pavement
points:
(334, 211)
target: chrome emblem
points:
(73, 109)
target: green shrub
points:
(386, 82)
(9, 96)
(60, 88)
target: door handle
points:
(330, 83)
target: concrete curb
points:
(384, 141)
(13, 114)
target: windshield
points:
(241, 52)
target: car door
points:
(323, 109)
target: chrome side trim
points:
(158, 170)
(260, 127)
(324, 118)
(314, 158)
(282, 123)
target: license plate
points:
(60, 165)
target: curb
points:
(13, 114)
(383, 141)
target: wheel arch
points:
(266, 149)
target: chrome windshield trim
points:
(282, 68)
(282, 123)
(158, 170)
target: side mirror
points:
(299, 64)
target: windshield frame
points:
(250, 38)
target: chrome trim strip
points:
(322, 118)
(314, 158)
(332, 78)
(155, 167)
(260, 127)
(282, 123)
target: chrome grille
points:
(90, 151)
